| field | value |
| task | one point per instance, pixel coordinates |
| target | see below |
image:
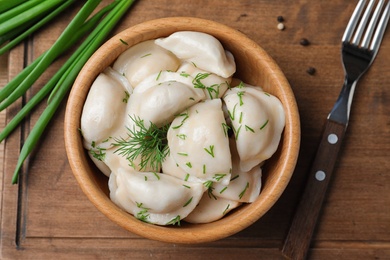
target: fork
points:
(359, 48)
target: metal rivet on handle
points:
(332, 138)
(320, 175)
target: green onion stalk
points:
(59, 85)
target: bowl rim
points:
(185, 234)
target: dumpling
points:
(170, 167)
(211, 209)
(258, 120)
(243, 186)
(201, 49)
(153, 197)
(99, 162)
(104, 112)
(114, 160)
(139, 61)
(161, 99)
(214, 86)
(199, 143)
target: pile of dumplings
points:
(221, 129)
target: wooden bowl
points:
(254, 66)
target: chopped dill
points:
(150, 144)
(122, 41)
(243, 192)
(210, 151)
(188, 202)
(174, 221)
(264, 125)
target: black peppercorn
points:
(280, 19)
(311, 71)
(304, 42)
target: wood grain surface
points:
(46, 216)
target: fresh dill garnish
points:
(143, 214)
(240, 94)
(183, 154)
(148, 144)
(219, 176)
(187, 176)
(185, 117)
(188, 202)
(232, 114)
(184, 74)
(189, 165)
(235, 177)
(221, 191)
(264, 125)
(197, 80)
(122, 41)
(146, 55)
(210, 151)
(247, 128)
(174, 221)
(243, 192)
(97, 152)
(155, 174)
(126, 98)
(225, 129)
(236, 131)
(213, 89)
(158, 75)
(210, 189)
(182, 136)
(227, 207)
(204, 168)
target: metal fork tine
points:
(381, 29)
(353, 21)
(362, 23)
(371, 27)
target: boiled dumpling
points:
(114, 160)
(211, 209)
(161, 99)
(214, 86)
(153, 197)
(257, 120)
(104, 113)
(201, 49)
(170, 167)
(199, 143)
(243, 186)
(139, 61)
(99, 162)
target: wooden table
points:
(47, 216)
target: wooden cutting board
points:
(47, 216)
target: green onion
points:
(45, 90)
(17, 10)
(6, 5)
(63, 81)
(52, 53)
(29, 13)
(35, 27)
(15, 82)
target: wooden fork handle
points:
(297, 242)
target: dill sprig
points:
(150, 144)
